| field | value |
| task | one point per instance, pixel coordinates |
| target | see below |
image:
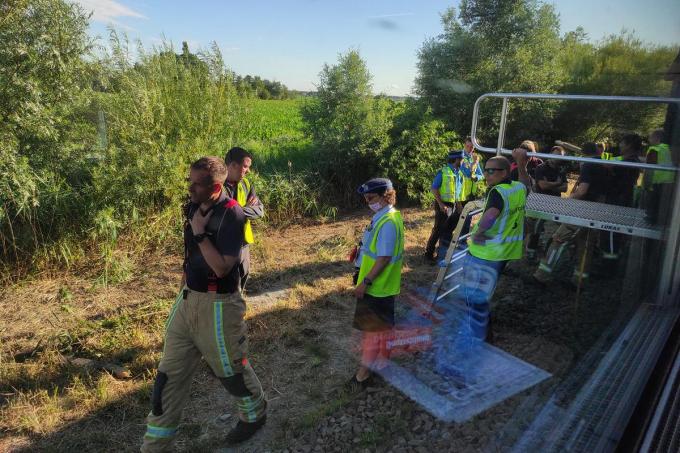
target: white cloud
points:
(108, 11)
(394, 86)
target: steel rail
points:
(499, 150)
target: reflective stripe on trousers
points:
(204, 325)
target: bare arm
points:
(220, 264)
(438, 199)
(520, 156)
(580, 190)
(488, 219)
(183, 282)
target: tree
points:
(348, 126)
(492, 46)
(419, 147)
(44, 83)
(620, 65)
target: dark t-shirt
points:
(622, 184)
(546, 172)
(495, 199)
(596, 176)
(225, 231)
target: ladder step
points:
(457, 271)
(447, 292)
(458, 255)
(453, 263)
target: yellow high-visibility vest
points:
(470, 188)
(450, 183)
(506, 236)
(242, 191)
(663, 157)
(388, 283)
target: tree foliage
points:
(419, 147)
(348, 125)
(489, 46)
(261, 88)
(44, 86)
(620, 65)
(93, 143)
(515, 46)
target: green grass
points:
(275, 120)
(276, 136)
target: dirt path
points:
(299, 317)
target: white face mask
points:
(375, 207)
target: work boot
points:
(244, 430)
(429, 259)
(577, 281)
(531, 255)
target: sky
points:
(290, 40)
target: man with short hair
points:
(207, 319)
(590, 186)
(447, 188)
(496, 239)
(550, 178)
(242, 190)
(621, 190)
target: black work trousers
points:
(244, 266)
(442, 230)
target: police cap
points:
(375, 185)
(455, 154)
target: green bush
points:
(44, 91)
(290, 197)
(349, 127)
(419, 149)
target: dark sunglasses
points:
(491, 171)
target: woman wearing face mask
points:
(379, 278)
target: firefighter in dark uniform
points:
(207, 319)
(621, 190)
(238, 187)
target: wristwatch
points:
(198, 238)
(367, 281)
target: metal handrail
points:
(499, 150)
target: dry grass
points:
(299, 344)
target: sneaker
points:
(355, 386)
(244, 430)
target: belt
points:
(185, 292)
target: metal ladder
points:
(446, 284)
